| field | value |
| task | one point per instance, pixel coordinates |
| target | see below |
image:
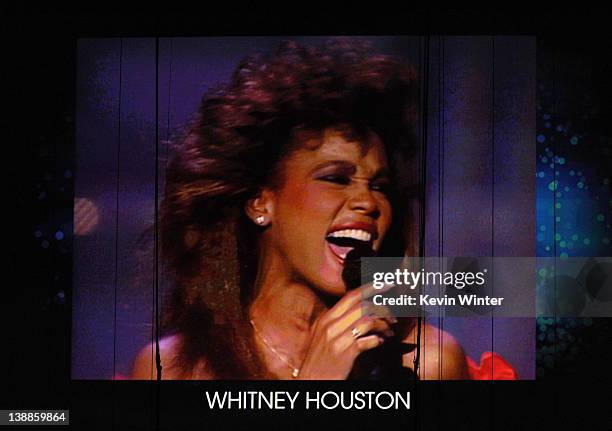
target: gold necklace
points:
(295, 370)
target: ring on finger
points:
(356, 332)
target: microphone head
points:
(351, 274)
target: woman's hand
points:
(341, 334)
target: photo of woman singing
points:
(252, 175)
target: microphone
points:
(385, 361)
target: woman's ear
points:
(260, 208)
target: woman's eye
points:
(338, 179)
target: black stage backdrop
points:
(574, 69)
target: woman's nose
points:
(364, 202)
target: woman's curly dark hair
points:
(243, 131)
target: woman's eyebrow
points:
(343, 164)
(350, 168)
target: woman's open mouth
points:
(341, 242)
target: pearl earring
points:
(260, 220)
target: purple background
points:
(480, 172)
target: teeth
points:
(357, 234)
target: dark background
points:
(39, 75)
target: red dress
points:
(492, 367)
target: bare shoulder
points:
(442, 357)
(144, 366)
